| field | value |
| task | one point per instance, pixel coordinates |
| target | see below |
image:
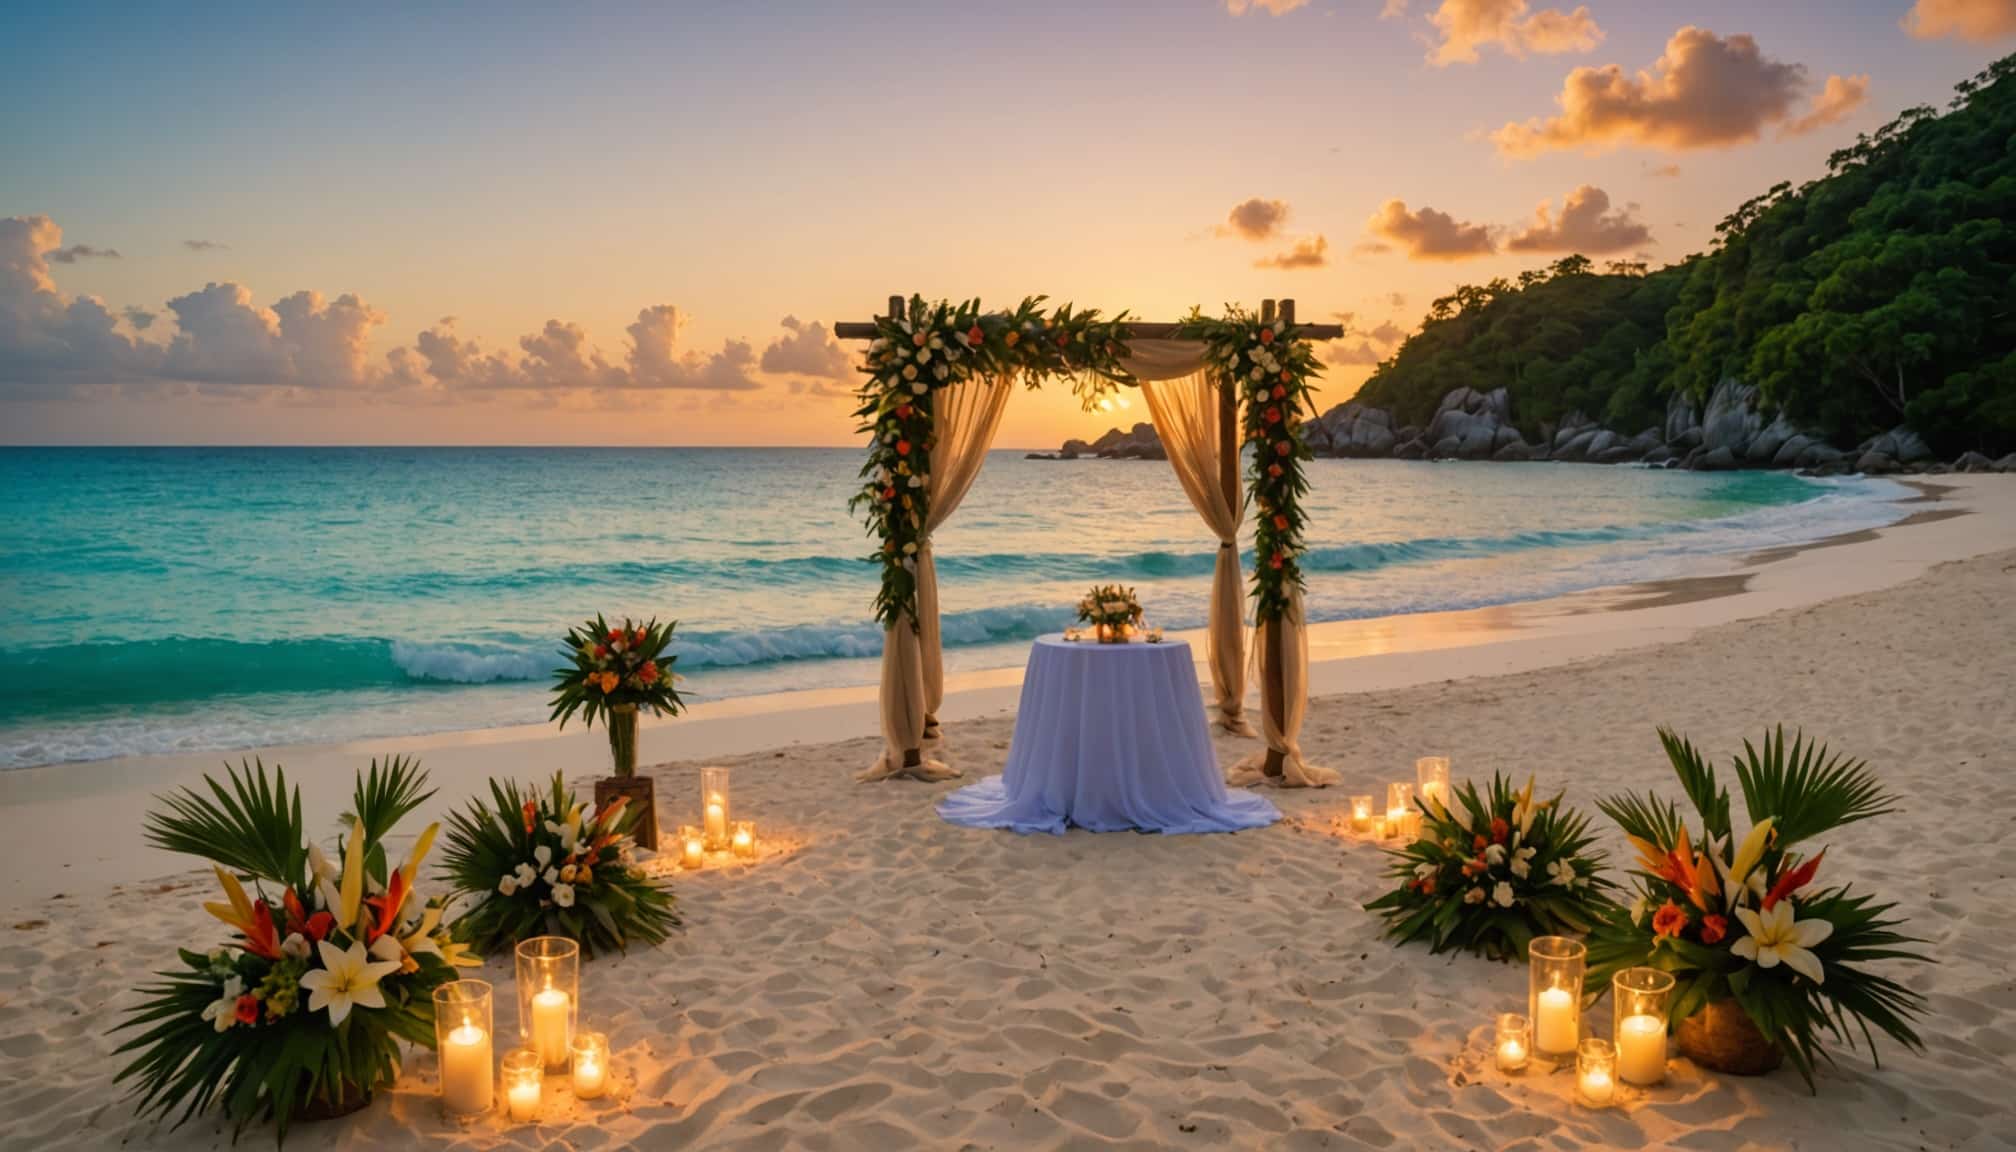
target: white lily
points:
(1776, 937)
(563, 895)
(1561, 872)
(1494, 854)
(1474, 896)
(1502, 895)
(543, 855)
(508, 884)
(1423, 871)
(1522, 862)
(526, 875)
(348, 978)
(223, 1011)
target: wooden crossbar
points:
(1142, 330)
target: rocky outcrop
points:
(1731, 419)
(1355, 431)
(1137, 443)
(1472, 425)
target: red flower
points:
(888, 493)
(601, 651)
(615, 634)
(920, 338)
(529, 810)
(648, 673)
(1794, 880)
(318, 926)
(1713, 928)
(974, 335)
(1285, 378)
(1266, 335)
(1282, 449)
(1280, 523)
(247, 1009)
(1669, 920)
(1279, 391)
(1276, 561)
(1476, 867)
(388, 904)
(1063, 340)
(263, 939)
(1499, 830)
(903, 411)
(1274, 470)
(1273, 415)
(902, 447)
(640, 635)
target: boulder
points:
(1819, 454)
(1874, 463)
(1789, 452)
(1660, 455)
(1471, 425)
(1681, 421)
(1765, 445)
(1353, 429)
(2006, 463)
(1617, 454)
(1403, 435)
(1073, 449)
(1412, 449)
(1572, 425)
(1731, 420)
(1687, 441)
(1447, 448)
(1517, 450)
(1713, 460)
(1973, 462)
(1900, 444)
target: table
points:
(1109, 737)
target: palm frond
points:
(1697, 779)
(253, 827)
(384, 796)
(1805, 789)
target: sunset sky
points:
(253, 224)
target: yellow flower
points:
(420, 846)
(238, 913)
(1749, 854)
(350, 895)
(458, 954)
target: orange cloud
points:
(1705, 92)
(1256, 219)
(1585, 225)
(1840, 96)
(1308, 252)
(1467, 25)
(1277, 7)
(1430, 234)
(1981, 21)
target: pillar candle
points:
(1641, 1050)
(1556, 1029)
(695, 852)
(550, 1027)
(588, 1075)
(1597, 1086)
(523, 1097)
(467, 1081)
(744, 843)
(717, 820)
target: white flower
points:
(1502, 895)
(910, 549)
(543, 855)
(1561, 872)
(1495, 854)
(1474, 896)
(527, 875)
(1522, 862)
(563, 895)
(552, 876)
(348, 977)
(923, 355)
(1423, 871)
(878, 344)
(1639, 907)
(909, 372)
(1775, 936)
(940, 371)
(319, 864)
(1256, 373)
(508, 885)
(296, 945)
(223, 1011)
(937, 341)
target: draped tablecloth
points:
(1109, 737)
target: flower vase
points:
(637, 791)
(343, 1098)
(1114, 633)
(1721, 1037)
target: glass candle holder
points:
(549, 987)
(714, 808)
(591, 1065)
(1361, 813)
(692, 848)
(1514, 1041)
(523, 1074)
(1431, 777)
(464, 1020)
(1640, 997)
(1596, 1072)
(1554, 968)
(742, 841)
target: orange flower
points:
(1669, 920)
(388, 904)
(1012, 338)
(902, 447)
(920, 339)
(1476, 867)
(1266, 335)
(247, 1009)
(1794, 880)
(1713, 929)
(640, 635)
(1499, 830)
(1285, 378)
(974, 335)
(648, 673)
(1480, 843)
(1282, 448)
(609, 682)
(529, 810)
(1274, 470)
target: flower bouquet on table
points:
(1764, 960)
(541, 864)
(1490, 872)
(334, 963)
(1113, 612)
(612, 671)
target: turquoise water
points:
(163, 600)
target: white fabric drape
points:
(1187, 414)
(1285, 737)
(964, 418)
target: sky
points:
(636, 224)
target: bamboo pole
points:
(1273, 689)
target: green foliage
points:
(253, 827)
(614, 667)
(1455, 880)
(1700, 901)
(1879, 294)
(494, 857)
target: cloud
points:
(1585, 225)
(48, 339)
(76, 252)
(1467, 25)
(807, 350)
(1663, 171)
(1339, 353)
(1840, 96)
(1370, 248)
(1387, 333)
(1397, 299)
(205, 246)
(1704, 92)
(560, 358)
(1429, 234)
(1277, 7)
(1308, 252)
(224, 337)
(1255, 219)
(140, 318)
(1393, 10)
(1981, 21)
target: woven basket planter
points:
(1720, 1037)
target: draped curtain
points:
(963, 420)
(1284, 733)
(1184, 399)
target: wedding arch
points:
(937, 379)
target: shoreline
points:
(1973, 516)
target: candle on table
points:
(1641, 1049)
(550, 1026)
(591, 1064)
(744, 842)
(1556, 1025)
(467, 1082)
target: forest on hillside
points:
(1883, 293)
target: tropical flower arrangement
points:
(935, 346)
(1491, 871)
(1743, 919)
(332, 964)
(544, 864)
(612, 671)
(1275, 366)
(1114, 612)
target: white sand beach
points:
(884, 980)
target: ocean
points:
(168, 600)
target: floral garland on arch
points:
(1275, 366)
(935, 346)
